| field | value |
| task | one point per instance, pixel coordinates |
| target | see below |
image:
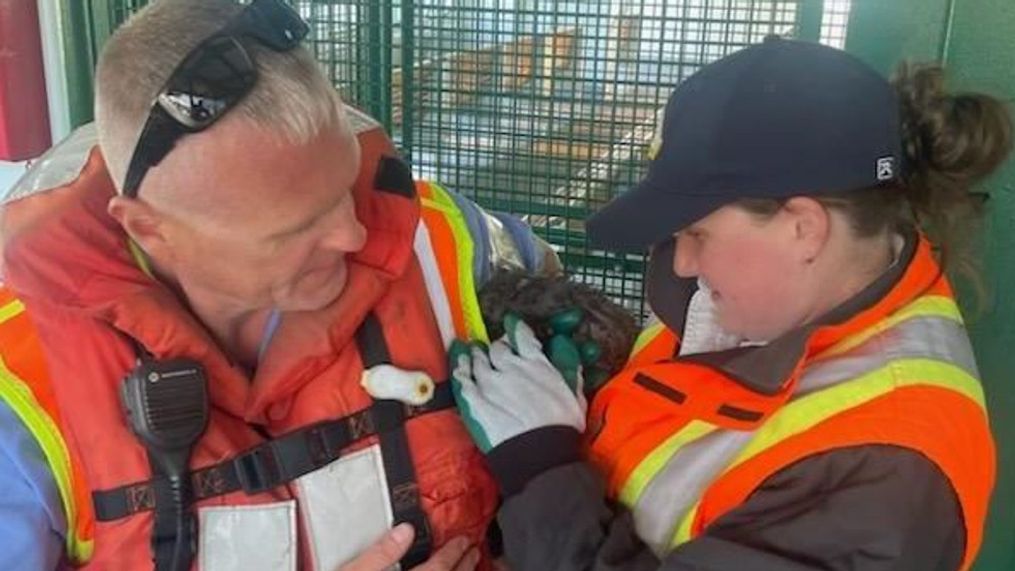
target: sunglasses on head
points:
(210, 80)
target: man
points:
(248, 233)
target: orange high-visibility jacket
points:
(683, 441)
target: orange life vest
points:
(79, 287)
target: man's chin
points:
(315, 298)
(310, 302)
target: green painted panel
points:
(881, 32)
(80, 58)
(86, 25)
(809, 19)
(981, 56)
(976, 39)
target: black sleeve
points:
(863, 508)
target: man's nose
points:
(349, 236)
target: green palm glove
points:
(513, 389)
(571, 358)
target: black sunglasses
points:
(213, 77)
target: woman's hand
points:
(513, 390)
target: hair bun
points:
(962, 136)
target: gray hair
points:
(292, 98)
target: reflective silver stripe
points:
(928, 337)
(434, 284)
(59, 166)
(680, 483)
(683, 479)
(501, 246)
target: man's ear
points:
(811, 226)
(145, 225)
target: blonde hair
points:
(292, 97)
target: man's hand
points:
(456, 555)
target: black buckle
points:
(326, 441)
(258, 470)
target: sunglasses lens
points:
(208, 82)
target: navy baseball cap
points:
(777, 119)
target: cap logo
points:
(886, 168)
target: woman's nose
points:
(685, 257)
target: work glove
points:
(570, 356)
(514, 389)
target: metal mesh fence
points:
(540, 108)
(833, 22)
(545, 109)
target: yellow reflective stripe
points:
(11, 310)
(140, 258)
(802, 414)
(433, 205)
(646, 336)
(463, 242)
(926, 306)
(649, 467)
(22, 402)
(683, 534)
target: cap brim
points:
(646, 215)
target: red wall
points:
(24, 116)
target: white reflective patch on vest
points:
(344, 507)
(248, 538)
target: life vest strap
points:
(403, 491)
(275, 462)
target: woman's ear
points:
(810, 226)
(145, 225)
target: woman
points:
(807, 398)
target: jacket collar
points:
(769, 369)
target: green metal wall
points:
(976, 40)
(882, 32)
(85, 26)
(981, 55)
